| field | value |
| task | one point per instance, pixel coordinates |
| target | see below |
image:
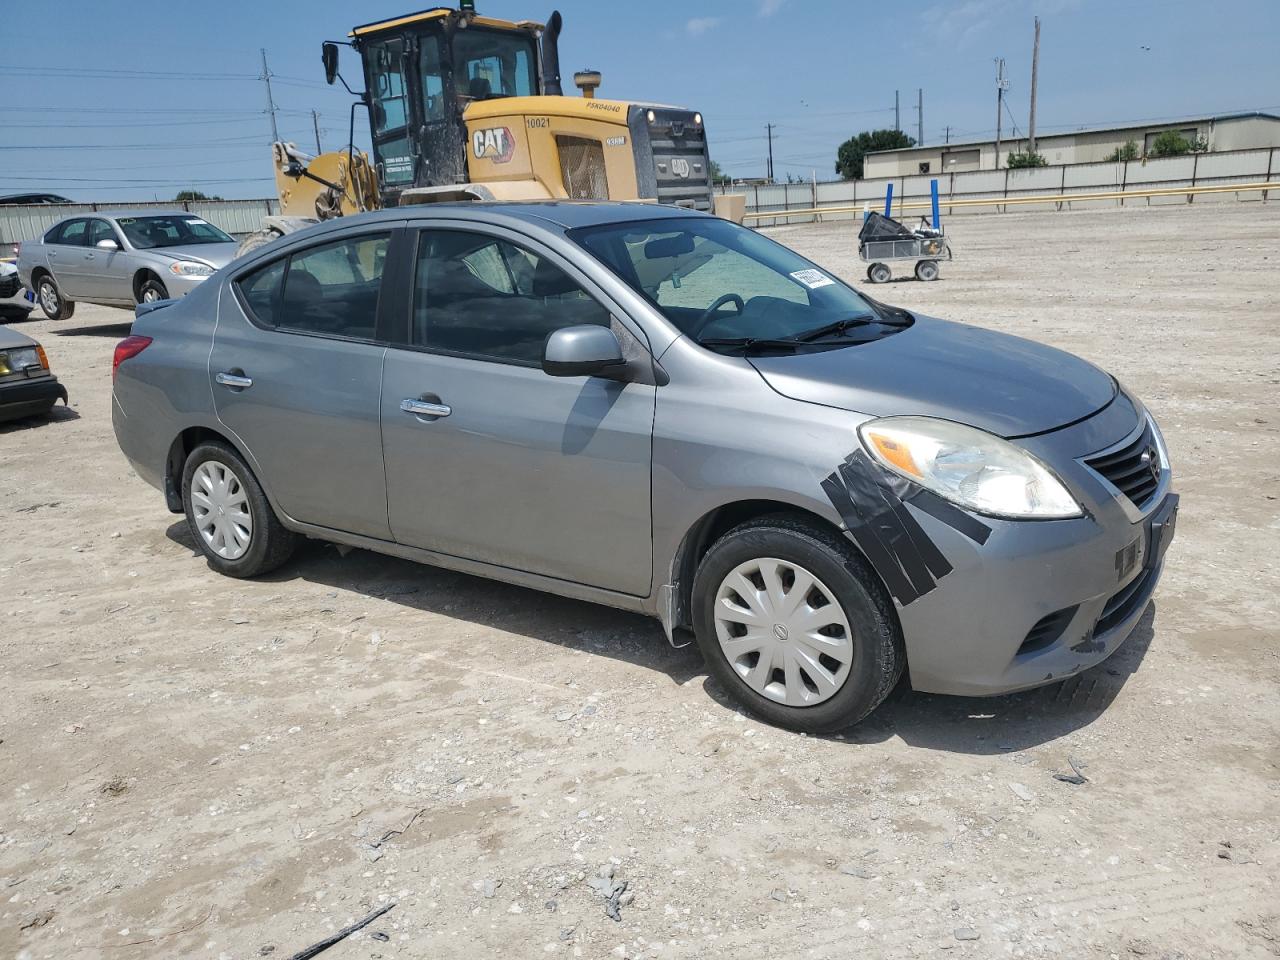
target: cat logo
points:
(680, 166)
(494, 143)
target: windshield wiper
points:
(750, 343)
(831, 329)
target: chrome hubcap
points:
(220, 506)
(783, 632)
(48, 297)
(150, 296)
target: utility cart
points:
(882, 240)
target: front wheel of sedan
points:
(793, 622)
(152, 290)
(229, 515)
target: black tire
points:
(879, 273)
(259, 238)
(879, 656)
(270, 544)
(52, 303)
(154, 289)
(927, 270)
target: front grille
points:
(1134, 469)
(10, 285)
(582, 167)
(680, 164)
(1123, 603)
(1047, 630)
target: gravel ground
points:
(199, 767)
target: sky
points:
(140, 99)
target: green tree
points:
(849, 158)
(184, 195)
(1128, 152)
(718, 176)
(1016, 160)
(1171, 143)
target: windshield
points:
(174, 231)
(488, 63)
(717, 281)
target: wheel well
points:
(710, 528)
(141, 277)
(37, 273)
(181, 447)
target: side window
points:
(72, 234)
(261, 290)
(333, 289)
(483, 297)
(100, 230)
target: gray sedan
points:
(27, 387)
(663, 411)
(122, 259)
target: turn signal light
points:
(126, 348)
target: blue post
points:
(888, 199)
(933, 191)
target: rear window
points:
(330, 290)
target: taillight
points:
(126, 348)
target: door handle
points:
(425, 408)
(233, 380)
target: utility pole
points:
(315, 122)
(948, 135)
(1001, 86)
(1035, 69)
(769, 128)
(271, 104)
(897, 122)
(919, 115)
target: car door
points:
(107, 274)
(296, 371)
(67, 258)
(542, 474)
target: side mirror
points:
(582, 351)
(107, 244)
(329, 54)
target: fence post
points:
(1124, 180)
(1005, 208)
(1195, 166)
(1270, 156)
(1062, 188)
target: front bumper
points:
(1039, 601)
(22, 398)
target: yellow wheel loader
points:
(463, 106)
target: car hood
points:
(999, 383)
(216, 255)
(11, 339)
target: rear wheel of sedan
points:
(229, 515)
(151, 291)
(795, 625)
(52, 303)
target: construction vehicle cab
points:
(463, 105)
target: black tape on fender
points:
(870, 499)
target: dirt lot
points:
(192, 766)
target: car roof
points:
(566, 214)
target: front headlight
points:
(16, 361)
(970, 467)
(189, 268)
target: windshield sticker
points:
(124, 222)
(195, 223)
(813, 279)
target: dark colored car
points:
(27, 388)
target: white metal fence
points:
(1198, 170)
(237, 217)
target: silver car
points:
(16, 300)
(666, 412)
(122, 259)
